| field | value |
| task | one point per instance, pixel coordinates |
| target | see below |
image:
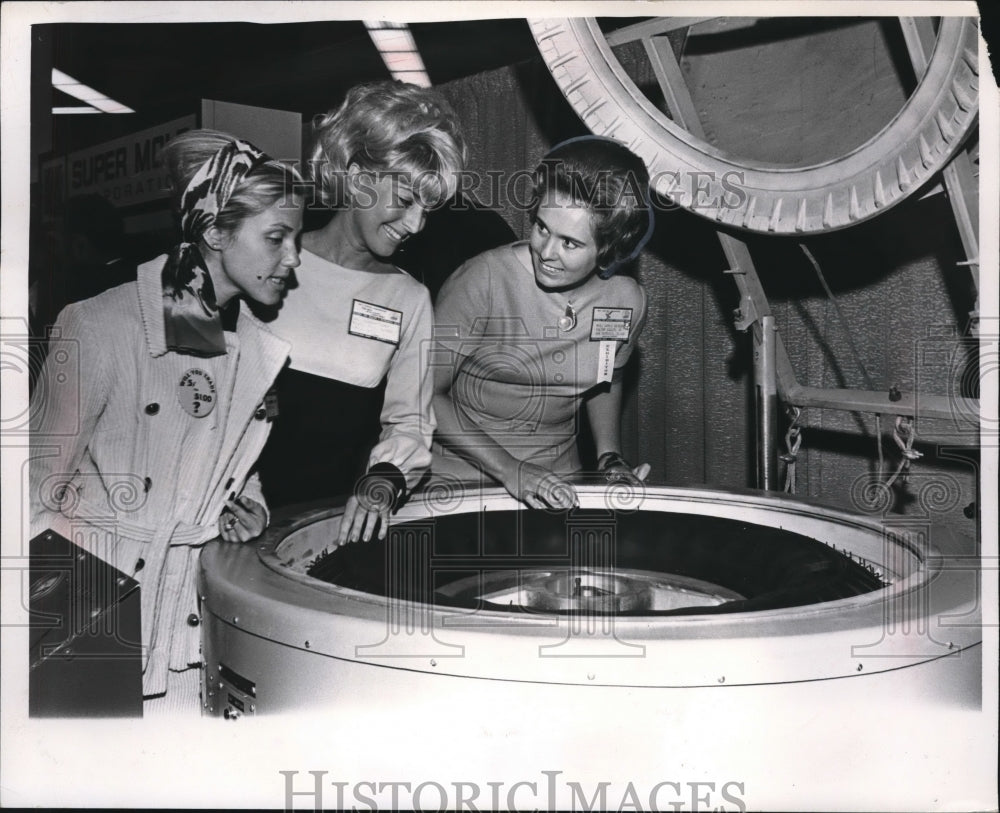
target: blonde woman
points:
(355, 401)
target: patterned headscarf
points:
(191, 316)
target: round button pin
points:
(196, 393)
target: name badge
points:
(375, 322)
(271, 403)
(610, 324)
(196, 393)
(605, 361)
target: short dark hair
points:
(611, 181)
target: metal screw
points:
(722, 679)
(860, 667)
(590, 676)
(433, 662)
(236, 619)
(308, 645)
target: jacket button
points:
(260, 414)
(152, 409)
(193, 620)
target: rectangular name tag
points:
(375, 322)
(606, 360)
(610, 323)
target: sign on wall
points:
(125, 170)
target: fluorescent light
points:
(98, 101)
(63, 111)
(395, 43)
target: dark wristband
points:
(609, 459)
(387, 472)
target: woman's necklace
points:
(568, 320)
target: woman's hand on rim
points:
(538, 487)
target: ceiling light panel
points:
(98, 101)
(395, 43)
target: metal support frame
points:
(774, 373)
(652, 28)
(766, 392)
(959, 179)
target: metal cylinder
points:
(766, 392)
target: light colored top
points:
(147, 478)
(360, 327)
(520, 377)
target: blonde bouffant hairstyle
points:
(390, 127)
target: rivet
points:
(308, 645)
(860, 667)
(722, 679)
(433, 662)
(590, 676)
(951, 645)
(236, 619)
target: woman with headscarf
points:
(151, 408)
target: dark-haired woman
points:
(530, 331)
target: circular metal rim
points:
(845, 638)
(495, 498)
(919, 140)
